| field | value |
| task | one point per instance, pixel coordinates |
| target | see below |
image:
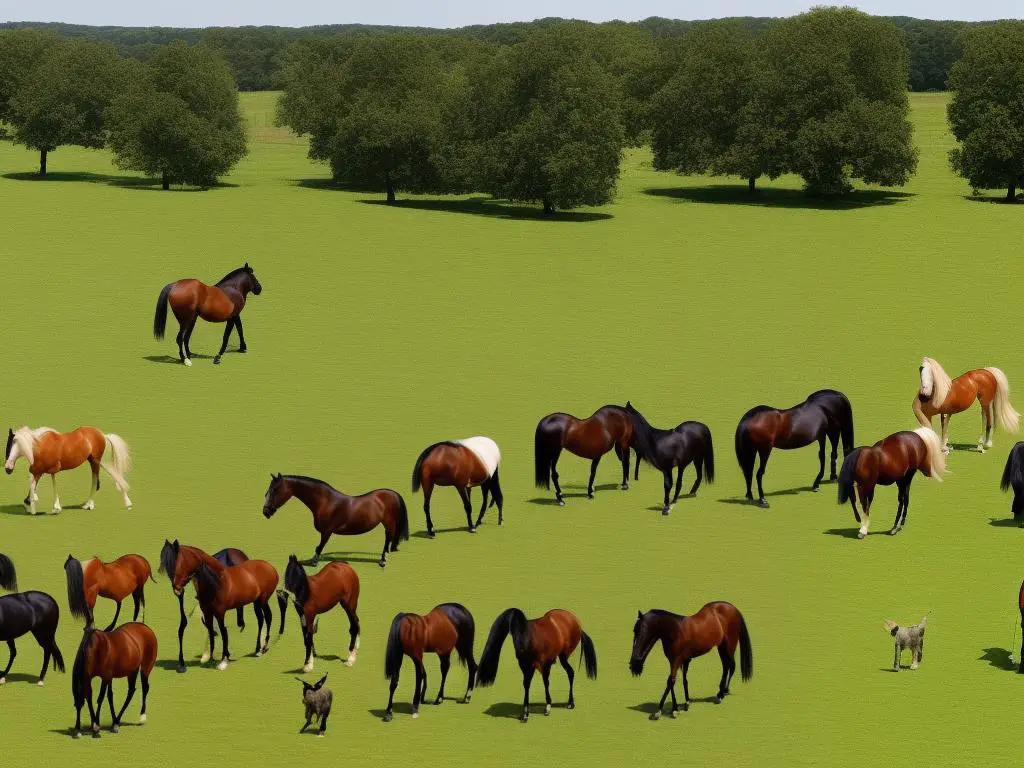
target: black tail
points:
(395, 649)
(709, 458)
(846, 426)
(464, 626)
(403, 521)
(416, 479)
(589, 655)
(76, 588)
(8, 578)
(746, 652)
(58, 659)
(282, 603)
(744, 448)
(541, 458)
(160, 319)
(78, 670)
(847, 476)
(1013, 472)
(495, 486)
(513, 620)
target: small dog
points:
(318, 703)
(910, 638)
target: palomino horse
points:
(610, 427)
(683, 638)
(34, 612)
(335, 584)
(938, 394)
(8, 576)
(334, 512)
(666, 449)
(464, 464)
(449, 627)
(825, 414)
(48, 452)
(896, 459)
(220, 303)
(129, 651)
(1013, 477)
(538, 643)
(114, 580)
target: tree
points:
(180, 119)
(20, 52)
(986, 114)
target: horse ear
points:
(176, 545)
(639, 614)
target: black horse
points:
(1013, 477)
(825, 414)
(8, 576)
(34, 612)
(666, 449)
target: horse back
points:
(23, 612)
(130, 647)
(334, 583)
(897, 454)
(258, 575)
(560, 632)
(441, 633)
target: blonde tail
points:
(1007, 418)
(121, 460)
(936, 458)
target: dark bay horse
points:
(34, 612)
(335, 512)
(825, 414)
(449, 627)
(666, 449)
(538, 643)
(8, 576)
(610, 427)
(221, 303)
(683, 638)
(1013, 477)
(130, 651)
(335, 584)
(463, 464)
(115, 581)
(894, 460)
(1020, 605)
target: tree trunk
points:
(42, 163)
(1011, 193)
(752, 184)
(390, 188)
(165, 181)
(548, 207)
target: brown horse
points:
(464, 464)
(114, 580)
(221, 303)
(129, 651)
(896, 459)
(610, 427)
(335, 584)
(683, 638)
(538, 643)
(334, 512)
(938, 394)
(449, 627)
(48, 452)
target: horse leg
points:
(182, 623)
(485, 489)
(834, 439)
(208, 623)
(137, 599)
(990, 421)
(56, 496)
(47, 643)
(527, 679)
(10, 661)
(728, 665)
(324, 536)
(132, 680)
(816, 485)
(421, 686)
(554, 478)
(763, 454)
(636, 472)
(388, 714)
(593, 474)
(241, 337)
(224, 342)
(428, 491)
(224, 641)
(900, 491)
(867, 493)
(384, 554)
(145, 694)
(113, 621)
(188, 340)
(906, 501)
(686, 686)
(984, 425)
(563, 659)
(698, 465)
(94, 484)
(268, 618)
(110, 703)
(944, 419)
(259, 626)
(545, 674)
(180, 341)
(95, 714)
(307, 640)
(669, 688)
(446, 663)
(33, 497)
(467, 506)
(623, 453)
(668, 489)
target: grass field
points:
(381, 330)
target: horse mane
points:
(296, 581)
(78, 670)
(26, 438)
(207, 579)
(233, 274)
(423, 457)
(665, 614)
(933, 445)
(941, 382)
(168, 559)
(754, 411)
(644, 433)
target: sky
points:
(456, 13)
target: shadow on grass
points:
(17, 509)
(1006, 522)
(848, 533)
(174, 359)
(1000, 200)
(998, 658)
(485, 206)
(21, 677)
(770, 197)
(425, 535)
(347, 557)
(744, 501)
(113, 180)
(965, 447)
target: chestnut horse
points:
(48, 452)
(1013, 477)
(449, 627)
(334, 512)
(938, 394)
(538, 643)
(8, 576)
(114, 580)
(896, 459)
(464, 464)
(825, 414)
(683, 638)
(34, 612)
(335, 584)
(610, 427)
(221, 303)
(129, 651)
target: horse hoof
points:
(223, 665)
(431, 534)
(382, 564)
(861, 534)
(624, 486)
(350, 661)
(204, 658)
(560, 502)
(180, 669)
(524, 717)
(762, 503)
(243, 350)
(547, 711)
(472, 529)
(415, 715)
(258, 653)
(142, 719)
(89, 506)
(656, 715)
(438, 701)
(894, 531)
(665, 510)
(388, 717)
(76, 735)
(816, 488)
(40, 683)
(57, 509)
(686, 706)
(187, 362)
(571, 705)
(718, 699)
(3, 680)
(216, 360)
(320, 735)
(590, 495)
(115, 729)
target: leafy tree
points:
(986, 113)
(20, 51)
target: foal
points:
(335, 584)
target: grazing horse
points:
(335, 584)
(538, 642)
(666, 449)
(34, 612)
(938, 394)
(825, 414)
(464, 464)
(8, 576)
(896, 459)
(334, 512)
(114, 580)
(1013, 477)
(48, 452)
(683, 638)
(449, 627)
(591, 438)
(220, 589)
(221, 303)
(129, 651)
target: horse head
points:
(643, 640)
(254, 284)
(276, 496)
(9, 453)
(927, 379)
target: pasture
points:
(381, 330)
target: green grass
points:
(381, 330)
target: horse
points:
(538, 642)
(129, 651)
(48, 452)
(666, 449)
(591, 438)
(1013, 477)
(335, 584)
(8, 576)
(683, 638)
(334, 512)
(34, 612)
(447, 627)
(464, 464)
(825, 414)
(114, 580)
(221, 303)
(895, 459)
(938, 394)
(1020, 604)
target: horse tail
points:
(418, 467)
(933, 445)
(8, 577)
(848, 475)
(846, 424)
(1013, 472)
(76, 588)
(282, 604)
(395, 649)
(541, 457)
(496, 495)
(744, 448)
(121, 460)
(746, 652)
(589, 655)
(1008, 418)
(513, 620)
(709, 457)
(160, 319)
(465, 628)
(78, 670)
(403, 519)
(58, 659)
